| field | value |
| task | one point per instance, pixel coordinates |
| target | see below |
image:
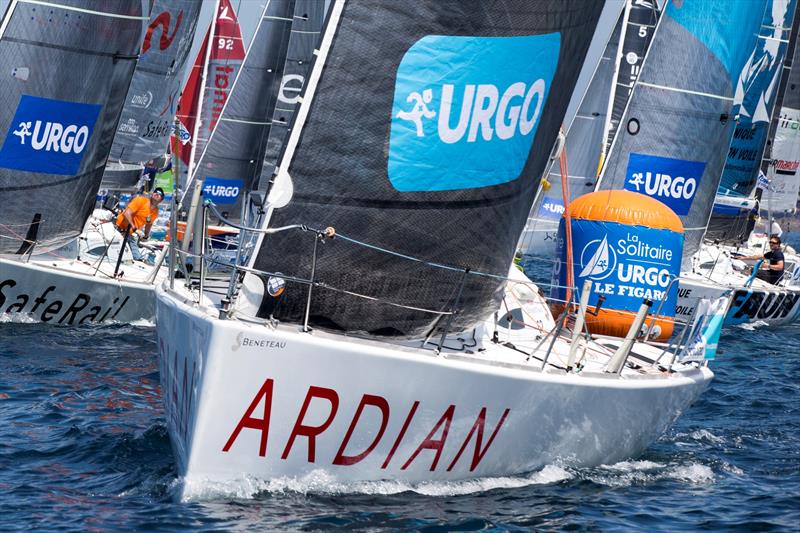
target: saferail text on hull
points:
(44, 293)
(246, 401)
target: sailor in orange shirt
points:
(140, 213)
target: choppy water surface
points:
(83, 446)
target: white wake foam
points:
(320, 482)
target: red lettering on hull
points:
(367, 399)
(303, 429)
(311, 432)
(434, 444)
(248, 421)
(478, 453)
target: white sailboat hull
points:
(761, 302)
(246, 401)
(67, 293)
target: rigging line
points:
(83, 10)
(241, 121)
(686, 91)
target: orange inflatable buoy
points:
(629, 247)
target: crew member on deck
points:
(140, 214)
(774, 260)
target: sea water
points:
(84, 447)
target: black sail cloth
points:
(66, 70)
(361, 166)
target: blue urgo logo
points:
(222, 191)
(48, 136)
(466, 110)
(551, 208)
(673, 182)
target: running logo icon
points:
(673, 182)
(419, 110)
(23, 131)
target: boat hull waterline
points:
(248, 402)
(51, 293)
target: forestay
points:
(674, 134)
(152, 100)
(66, 69)
(429, 126)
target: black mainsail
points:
(67, 67)
(425, 130)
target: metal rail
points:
(205, 259)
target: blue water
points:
(83, 446)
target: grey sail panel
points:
(152, 98)
(642, 19)
(584, 146)
(675, 132)
(308, 17)
(232, 158)
(56, 127)
(386, 157)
